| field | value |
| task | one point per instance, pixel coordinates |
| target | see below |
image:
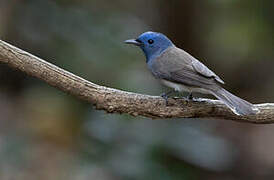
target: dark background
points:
(47, 134)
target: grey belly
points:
(181, 87)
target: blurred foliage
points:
(47, 134)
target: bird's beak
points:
(133, 41)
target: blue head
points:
(152, 44)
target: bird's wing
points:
(204, 71)
(176, 65)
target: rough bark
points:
(117, 101)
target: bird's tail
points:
(236, 104)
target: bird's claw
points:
(165, 96)
(190, 97)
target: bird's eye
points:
(150, 41)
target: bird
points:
(177, 69)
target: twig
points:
(117, 101)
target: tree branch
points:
(117, 101)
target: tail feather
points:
(236, 104)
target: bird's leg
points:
(190, 97)
(165, 95)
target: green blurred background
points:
(48, 135)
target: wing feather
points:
(203, 70)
